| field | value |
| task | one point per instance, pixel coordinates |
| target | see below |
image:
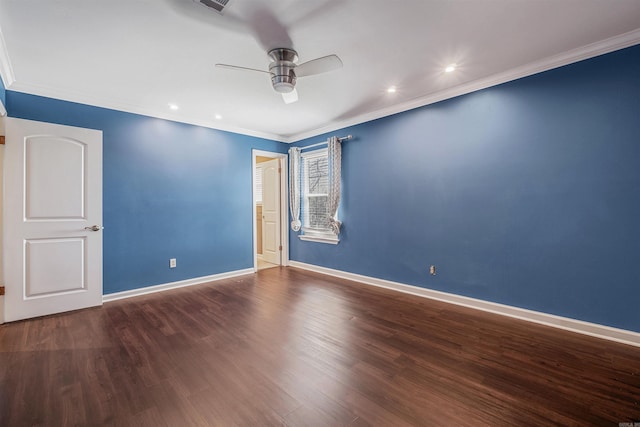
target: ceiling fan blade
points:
(267, 28)
(236, 67)
(319, 65)
(290, 97)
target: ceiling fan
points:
(284, 71)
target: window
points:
(314, 191)
(315, 196)
(258, 184)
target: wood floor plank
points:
(287, 347)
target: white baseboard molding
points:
(573, 325)
(174, 285)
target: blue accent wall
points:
(171, 190)
(3, 93)
(526, 194)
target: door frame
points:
(284, 205)
(2, 282)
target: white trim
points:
(316, 238)
(318, 152)
(123, 106)
(174, 285)
(575, 55)
(585, 52)
(568, 324)
(2, 281)
(6, 70)
(284, 208)
(306, 233)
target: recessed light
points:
(450, 68)
(392, 89)
(173, 107)
(218, 117)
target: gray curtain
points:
(335, 168)
(294, 188)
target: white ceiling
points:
(141, 55)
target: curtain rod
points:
(344, 138)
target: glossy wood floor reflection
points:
(289, 347)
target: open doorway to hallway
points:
(269, 209)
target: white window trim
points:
(331, 239)
(312, 234)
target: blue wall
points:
(171, 190)
(526, 194)
(3, 96)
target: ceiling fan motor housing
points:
(283, 77)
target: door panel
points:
(54, 266)
(53, 190)
(55, 181)
(271, 211)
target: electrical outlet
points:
(432, 270)
(172, 263)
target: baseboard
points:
(568, 324)
(173, 285)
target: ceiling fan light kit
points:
(283, 77)
(284, 71)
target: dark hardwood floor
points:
(289, 347)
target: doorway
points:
(270, 231)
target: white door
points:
(52, 205)
(271, 248)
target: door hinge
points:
(280, 247)
(1, 139)
(279, 170)
(1, 290)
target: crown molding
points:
(575, 55)
(589, 51)
(6, 71)
(114, 104)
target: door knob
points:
(94, 228)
